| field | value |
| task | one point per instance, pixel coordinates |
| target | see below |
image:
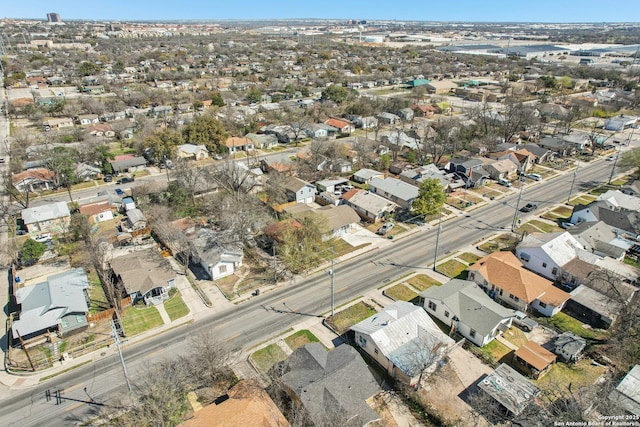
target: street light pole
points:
(332, 274)
(515, 214)
(435, 256)
(613, 169)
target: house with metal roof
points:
(404, 340)
(192, 151)
(332, 386)
(504, 277)
(395, 190)
(626, 395)
(58, 305)
(364, 175)
(466, 308)
(509, 388)
(128, 163)
(53, 217)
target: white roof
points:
(561, 247)
(45, 212)
(617, 198)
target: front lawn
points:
(564, 322)
(451, 268)
(400, 292)
(343, 320)
(422, 282)
(502, 242)
(545, 227)
(137, 319)
(175, 306)
(300, 338)
(469, 258)
(265, 358)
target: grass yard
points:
(582, 200)
(343, 320)
(469, 258)
(528, 228)
(515, 336)
(502, 242)
(175, 306)
(545, 227)
(341, 247)
(564, 322)
(580, 374)
(227, 286)
(451, 268)
(422, 282)
(400, 293)
(602, 189)
(138, 319)
(265, 358)
(300, 338)
(495, 352)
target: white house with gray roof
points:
(368, 205)
(403, 339)
(364, 176)
(58, 304)
(463, 306)
(395, 190)
(53, 217)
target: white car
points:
(385, 228)
(43, 238)
(534, 176)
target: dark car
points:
(119, 192)
(125, 180)
(529, 207)
(108, 178)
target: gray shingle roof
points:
(395, 187)
(45, 212)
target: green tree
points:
(31, 252)
(206, 130)
(335, 93)
(430, 198)
(630, 160)
(162, 144)
(88, 68)
(384, 162)
(254, 95)
(217, 100)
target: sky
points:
(414, 10)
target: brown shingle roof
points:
(505, 271)
(535, 355)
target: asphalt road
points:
(252, 322)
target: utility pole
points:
(613, 169)
(435, 256)
(332, 274)
(514, 223)
(116, 338)
(573, 181)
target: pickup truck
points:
(524, 322)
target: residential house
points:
(388, 119)
(449, 181)
(364, 176)
(515, 397)
(245, 404)
(395, 190)
(541, 155)
(559, 146)
(405, 114)
(506, 280)
(553, 111)
(523, 159)
(58, 123)
(128, 203)
(345, 127)
(620, 123)
(262, 141)
(569, 346)
(466, 308)
(87, 172)
(369, 206)
(59, 304)
(632, 188)
(441, 87)
(128, 163)
(236, 144)
(533, 359)
(333, 387)
(136, 219)
(34, 180)
(580, 140)
(424, 110)
(299, 191)
(622, 221)
(192, 152)
(331, 185)
(404, 340)
(338, 220)
(218, 260)
(97, 212)
(502, 169)
(626, 395)
(367, 122)
(601, 240)
(53, 217)
(146, 277)
(399, 140)
(318, 131)
(470, 170)
(87, 119)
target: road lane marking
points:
(73, 387)
(74, 406)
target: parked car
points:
(534, 176)
(567, 225)
(125, 180)
(611, 158)
(524, 322)
(504, 182)
(108, 178)
(529, 207)
(1, 159)
(386, 227)
(119, 192)
(43, 238)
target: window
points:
(375, 350)
(544, 265)
(541, 304)
(432, 306)
(472, 333)
(513, 297)
(446, 314)
(472, 276)
(222, 268)
(524, 257)
(362, 341)
(554, 271)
